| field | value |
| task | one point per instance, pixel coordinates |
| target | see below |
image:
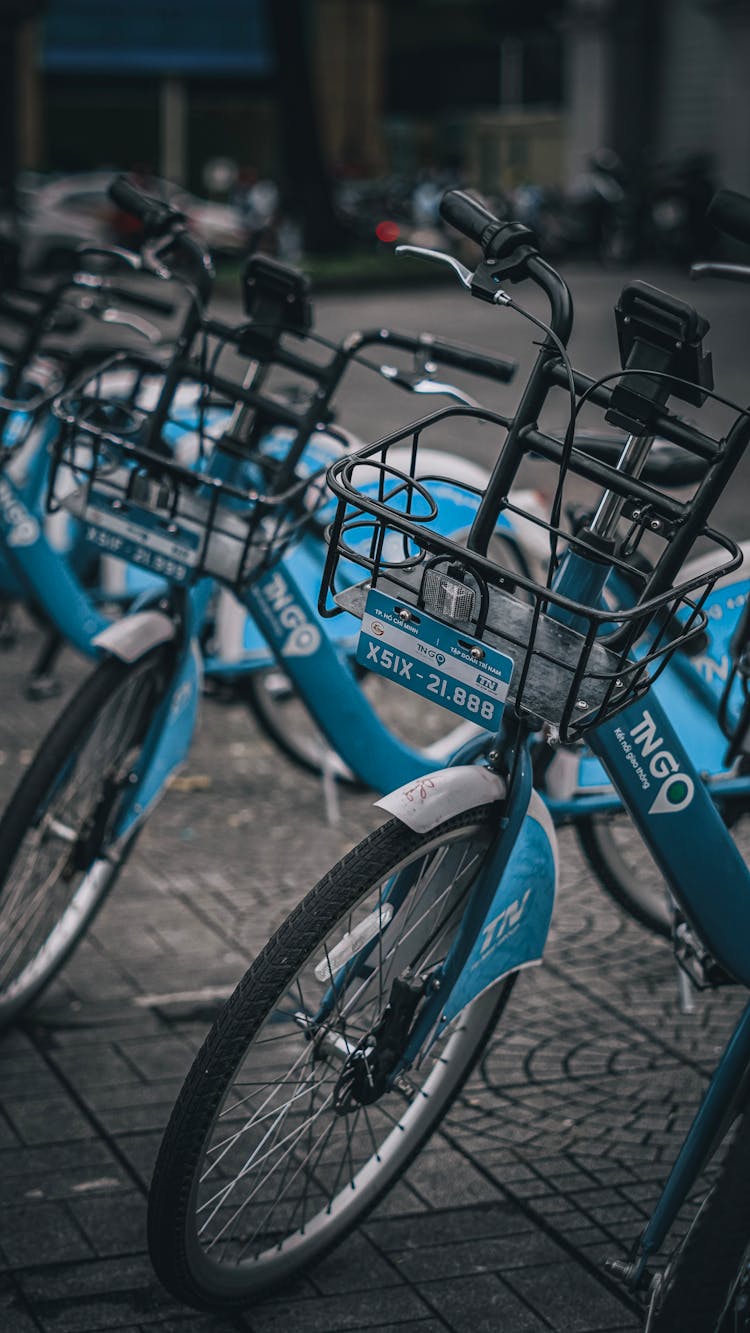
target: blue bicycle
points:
(45, 561)
(353, 1031)
(236, 501)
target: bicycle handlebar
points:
(469, 217)
(101, 285)
(164, 228)
(730, 212)
(511, 253)
(732, 272)
(158, 218)
(469, 359)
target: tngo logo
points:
(677, 789)
(303, 639)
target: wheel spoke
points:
(311, 1125)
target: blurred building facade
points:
(505, 90)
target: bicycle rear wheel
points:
(57, 864)
(707, 1287)
(624, 866)
(290, 1126)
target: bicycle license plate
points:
(141, 538)
(433, 660)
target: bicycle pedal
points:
(43, 687)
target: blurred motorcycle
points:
(593, 217)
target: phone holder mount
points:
(659, 336)
(277, 300)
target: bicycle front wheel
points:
(56, 860)
(293, 1121)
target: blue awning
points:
(156, 37)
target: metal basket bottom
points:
(552, 660)
(195, 536)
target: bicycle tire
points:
(700, 1285)
(238, 1049)
(50, 895)
(624, 867)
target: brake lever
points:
(150, 256)
(111, 315)
(111, 252)
(441, 257)
(427, 386)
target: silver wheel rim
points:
(320, 1185)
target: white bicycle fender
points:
(431, 799)
(133, 636)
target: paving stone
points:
(438, 1181)
(100, 1178)
(15, 1317)
(446, 1225)
(402, 1199)
(111, 1227)
(104, 1294)
(98, 1067)
(498, 1254)
(160, 1057)
(328, 1314)
(574, 1301)
(47, 1120)
(195, 1323)
(41, 1232)
(481, 1304)
(412, 1326)
(22, 1070)
(9, 1138)
(19, 1167)
(140, 1151)
(354, 1266)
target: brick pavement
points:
(550, 1161)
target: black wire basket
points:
(571, 665)
(153, 462)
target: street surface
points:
(556, 1151)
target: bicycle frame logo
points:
(677, 789)
(303, 639)
(503, 925)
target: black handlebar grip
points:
(157, 216)
(468, 216)
(730, 212)
(128, 198)
(501, 368)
